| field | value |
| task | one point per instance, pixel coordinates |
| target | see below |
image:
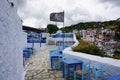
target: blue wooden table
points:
(36, 41)
(114, 78)
(53, 56)
(70, 63)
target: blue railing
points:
(36, 41)
(62, 35)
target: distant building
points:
(59, 31)
(88, 35)
(75, 31)
(118, 19)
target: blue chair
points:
(61, 48)
(116, 77)
(54, 61)
(83, 73)
(65, 57)
(57, 61)
(98, 71)
(55, 51)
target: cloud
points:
(78, 14)
(21, 3)
(36, 12)
(115, 3)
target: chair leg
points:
(88, 78)
(54, 64)
(96, 78)
(82, 77)
(65, 71)
(74, 75)
(58, 64)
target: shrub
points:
(44, 38)
(78, 36)
(87, 47)
(116, 55)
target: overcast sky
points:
(35, 13)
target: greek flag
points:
(57, 17)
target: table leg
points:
(80, 65)
(68, 73)
(63, 69)
(51, 62)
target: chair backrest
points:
(65, 57)
(86, 67)
(53, 51)
(98, 70)
(62, 47)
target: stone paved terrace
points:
(38, 67)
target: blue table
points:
(53, 56)
(36, 41)
(114, 78)
(70, 63)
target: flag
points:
(57, 17)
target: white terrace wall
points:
(111, 66)
(11, 63)
(110, 61)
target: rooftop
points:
(37, 30)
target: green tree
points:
(52, 28)
(117, 32)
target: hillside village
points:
(103, 34)
(86, 51)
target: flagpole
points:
(56, 23)
(63, 22)
(63, 31)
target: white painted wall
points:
(11, 42)
(105, 60)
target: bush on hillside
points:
(78, 36)
(44, 38)
(87, 47)
(116, 55)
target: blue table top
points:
(36, 41)
(114, 78)
(74, 61)
(55, 55)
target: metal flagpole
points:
(63, 31)
(56, 23)
(33, 41)
(40, 39)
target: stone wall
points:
(11, 42)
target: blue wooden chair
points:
(60, 61)
(116, 77)
(27, 52)
(83, 73)
(55, 51)
(98, 71)
(54, 61)
(61, 48)
(65, 57)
